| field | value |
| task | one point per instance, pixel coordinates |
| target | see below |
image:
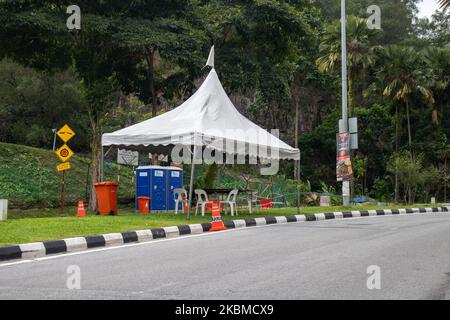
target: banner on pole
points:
(344, 170)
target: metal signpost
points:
(345, 183)
(64, 153)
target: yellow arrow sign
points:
(65, 133)
(63, 166)
(64, 153)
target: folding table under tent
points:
(208, 120)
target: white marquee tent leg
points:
(191, 183)
(102, 164)
(298, 187)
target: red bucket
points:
(266, 203)
(144, 204)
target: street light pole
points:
(345, 183)
(54, 139)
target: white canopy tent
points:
(207, 120)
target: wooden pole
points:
(62, 191)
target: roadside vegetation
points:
(28, 178)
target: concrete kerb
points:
(40, 249)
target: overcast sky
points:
(427, 8)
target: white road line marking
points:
(14, 263)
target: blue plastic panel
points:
(175, 180)
(158, 190)
(142, 184)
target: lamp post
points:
(345, 183)
(54, 139)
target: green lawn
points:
(25, 226)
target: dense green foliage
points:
(134, 59)
(28, 178)
(32, 103)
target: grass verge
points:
(25, 226)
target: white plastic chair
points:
(231, 201)
(202, 199)
(179, 194)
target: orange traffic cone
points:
(81, 212)
(185, 205)
(217, 223)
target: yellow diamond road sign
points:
(63, 166)
(65, 133)
(64, 153)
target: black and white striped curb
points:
(40, 249)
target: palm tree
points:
(444, 4)
(400, 71)
(438, 61)
(404, 74)
(359, 53)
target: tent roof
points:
(208, 118)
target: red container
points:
(106, 197)
(144, 204)
(266, 203)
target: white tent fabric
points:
(208, 118)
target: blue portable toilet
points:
(158, 183)
(143, 185)
(174, 180)
(151, 182)
(159, 189)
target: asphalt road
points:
(313, 260)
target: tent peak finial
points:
(210, 61)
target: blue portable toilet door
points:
(158, 202)
(175, 180)
(142, 184)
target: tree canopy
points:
(278, 59)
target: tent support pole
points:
(191, 183)
(298, 186)
(102, 163)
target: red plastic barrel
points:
(144, 204)
(106, 197)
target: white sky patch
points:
(427, 8)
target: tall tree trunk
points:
(408, 118)
(96, 159)
(150, 57)
(445, 179)
(273, 117)
(396, 151)
(350, 96)
(434, 116)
